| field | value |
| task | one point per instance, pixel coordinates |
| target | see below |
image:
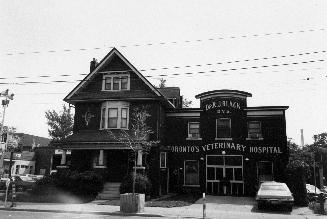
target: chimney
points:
(302, 138)
(93, 64)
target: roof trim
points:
(103, 61)
(223, 92)
(265, 108)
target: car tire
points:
(260, 205)
(289, 208)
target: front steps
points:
(110, 191)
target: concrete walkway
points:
(216, 207)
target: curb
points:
(117, 213)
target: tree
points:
(60, 124)
(12, 139)
(186, 103)
(320, 140)
(162, 83)
(137, 137)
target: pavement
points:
(216, 207)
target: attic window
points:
(116, 82)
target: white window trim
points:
(165, 166)
(230, 124)
(195, 185)
(260, 138)
(112, 75)
(188, 131)
(114, 104)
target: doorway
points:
(224, 175)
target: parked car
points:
(22, 183)
(274, 194)
(313, 192)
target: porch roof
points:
(90, 139)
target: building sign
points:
(226, 145)
(222, 106)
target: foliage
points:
(137, 137)
(320, 140)
(162, 83)
(83, 184)
(13, 140)
(142, 184)
(300, 158)
(60, 124)
(186, 103)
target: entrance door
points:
(117, 165)
(224, 175)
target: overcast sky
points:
(267, 48)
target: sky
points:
(275, 50)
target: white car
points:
(274, 193)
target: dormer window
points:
(114, 115)
(116, 82)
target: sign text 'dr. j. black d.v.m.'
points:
(226, 145)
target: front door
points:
(224, 175)
(116, 165)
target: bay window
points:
(114, 115)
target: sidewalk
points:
(231, 207)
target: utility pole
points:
(4, 103)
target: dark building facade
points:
(223, 148)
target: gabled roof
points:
(107, 58)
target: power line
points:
(172, 42)
(179, 74)
(189, 66)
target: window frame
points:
(119, 105)
(259, 135)
(230, 129)
(112, 77)
(189, 135)
(165, 160)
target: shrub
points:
(142, 184)
(295, 180)
(84, 184)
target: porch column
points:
(63, 158)
(139, 158)
(101, 158)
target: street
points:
(221, 214)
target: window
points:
(223, 128)
(114, 115)
(124, 118)
(108, 83)
(191, 172)
(254, 130)
(163, 159)
(115, 82)
(194, 130)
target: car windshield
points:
(272, 187)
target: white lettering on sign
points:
(221, 104)
(226, 145)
